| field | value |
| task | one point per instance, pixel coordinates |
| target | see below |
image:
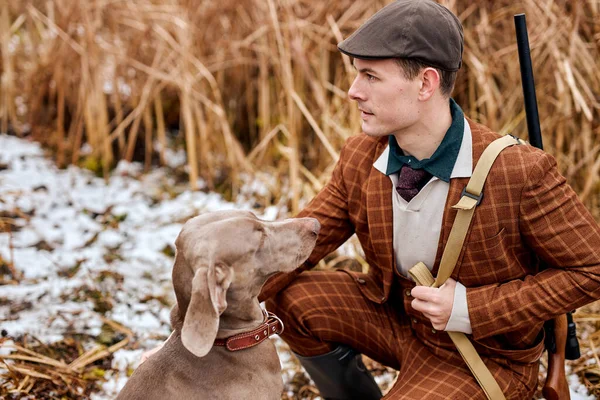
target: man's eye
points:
(370, 77)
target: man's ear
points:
(207, 303)
(430, 82)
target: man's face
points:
(387, 100)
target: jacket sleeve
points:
(557, 227)
(330, 208)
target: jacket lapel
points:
(454, 192)
(380, 220)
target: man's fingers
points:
(435, 303)
(434, 314)
(440, 325)
(425, 293)
(427, 308)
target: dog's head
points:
(231, 252)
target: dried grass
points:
(8, 272)
(40, 370)
(237, 77)
(259, 85)
(588, 332)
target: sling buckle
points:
(472, 196)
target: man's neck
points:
(421, 139)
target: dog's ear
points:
(207, 302)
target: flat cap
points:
(420, 29)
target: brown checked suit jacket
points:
(529, 216)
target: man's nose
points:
(354, 93)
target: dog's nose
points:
(316, 227)
(312, 224)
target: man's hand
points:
(435, 303)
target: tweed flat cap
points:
(421, 29)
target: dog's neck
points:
(240, 316)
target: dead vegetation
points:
(59, 370)
(259, 86)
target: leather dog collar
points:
(272, 325)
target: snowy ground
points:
(88, 249)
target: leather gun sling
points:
(469, 200)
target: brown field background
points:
(257, 87)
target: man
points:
(394, 186)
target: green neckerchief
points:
(442, 161)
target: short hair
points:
(411, 68)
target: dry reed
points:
(121, 76)
(259, 85)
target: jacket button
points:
(433, 330)
(361, 281)
(407, 292)
(383, 299)
(414, 320)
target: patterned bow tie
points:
(410, 181)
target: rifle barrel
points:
(535, 138)
(531, 109)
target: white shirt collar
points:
(463, 168)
